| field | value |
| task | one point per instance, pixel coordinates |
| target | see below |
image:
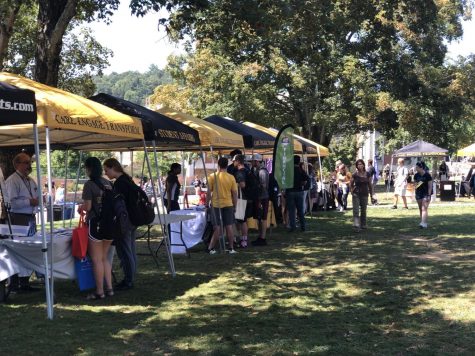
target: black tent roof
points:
(156, 126)
(420, 148)
(17, 106)
(252, 138)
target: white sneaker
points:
(232, 252)
(212, 251)
(342, 209)
(423, 226)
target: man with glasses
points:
(22, 195)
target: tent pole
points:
(44, 249)
(76, 188)
(65, 188)
(51, 225)
(390, 175)
(132, 163)
(164, 229)
(321, 178)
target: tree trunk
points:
(54, 17)
(6, 30)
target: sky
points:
(137, 44)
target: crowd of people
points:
(240, 189)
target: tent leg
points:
(65, 188)
(49, 302)
(164, 229)
(50, 201)
(78, 172)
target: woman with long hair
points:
(172, 188)
(343, 179)
(98, 246)
(125, 246)
(423, 185)
(360, 187)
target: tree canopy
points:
(327, 66)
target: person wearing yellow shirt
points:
(222, 199)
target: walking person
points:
(125, 246)
(360, 187)
(294, 196)
(222, 200)
(343, 179)
(400, 185)
(423, 184)
(98, 245)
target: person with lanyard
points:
(22, 195)
(423, 184)
(172, 188)
(361, 186)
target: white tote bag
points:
(240, 207)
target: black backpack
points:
(252, 184)
(141, 210)
(113, 218)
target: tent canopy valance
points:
(161, 128)
(252, 137)
(210, 135)
(17, 106)
(70, 118)
(467, 151)
(420, 148)
(312, 147)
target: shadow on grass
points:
(389, 290)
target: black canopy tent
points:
(254, 139)
(18, 107)
(156, 127)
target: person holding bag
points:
(98, 245)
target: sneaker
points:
(259, 242)
(394, 207)
(212, 251)
(243, 243)
(232, 252)
(422, 226)
(341, 209)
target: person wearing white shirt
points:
(400, 184)
(22, 196)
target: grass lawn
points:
(392, 290)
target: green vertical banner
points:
(283, 158)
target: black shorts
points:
(261, 208)
(227, 214)
(94, 234)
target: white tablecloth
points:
(192, 229)
(24, 253)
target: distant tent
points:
(467, 151)
(252, 137)
(420, 148)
